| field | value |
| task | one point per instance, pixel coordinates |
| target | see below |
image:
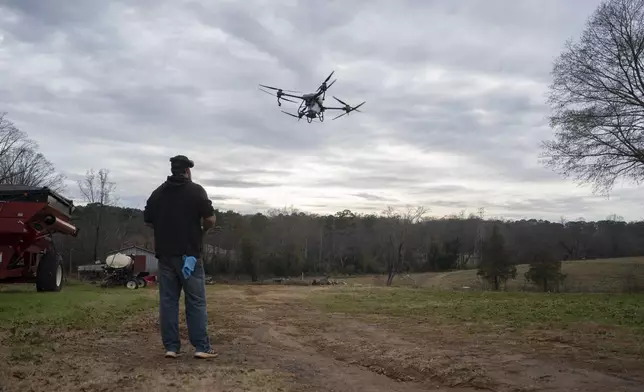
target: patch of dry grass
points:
(598, 321)
(601, 275)
(516, 310)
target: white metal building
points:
(151, 262)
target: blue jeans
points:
(171, 281)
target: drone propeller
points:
(279, 89)
(347, 108)
(336, 117)
(328, 77)
(272, 95)
(292, 115)
(323, 87)
(356, 107)
(341, 101)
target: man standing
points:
(180, 213)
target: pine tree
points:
(545, 271)
(496, 266)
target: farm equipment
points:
(29, 216)
(119, 271)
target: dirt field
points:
(277, 338)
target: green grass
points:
(77, 306)
(504, 309)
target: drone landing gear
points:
(309, 120)
(321, 116)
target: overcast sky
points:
(455, 95)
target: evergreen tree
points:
(496, 266)
(545, 271)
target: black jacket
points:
(175, 210)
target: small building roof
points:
(131, 247)
(91, 267)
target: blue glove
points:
(189, 263)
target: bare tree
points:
(31, 168)
(597, 98)
(400, 225)
(20, 161)
(13, 143)
(97, 189)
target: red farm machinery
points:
(29, 216)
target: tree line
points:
(287, 242)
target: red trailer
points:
(29, 216)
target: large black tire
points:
(50, 274)
(142, 282)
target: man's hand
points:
(209, 223)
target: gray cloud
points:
(454, 116)
(236, 184)
(372, 197)
(218, 198)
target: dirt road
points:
(274, 339)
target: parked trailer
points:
(120, 271)
(29, 216)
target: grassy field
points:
(345, 338)
(516, 310)
(78, 306)
(604, 275)
(32, 322)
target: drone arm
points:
(292, 96)
(326, 108)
